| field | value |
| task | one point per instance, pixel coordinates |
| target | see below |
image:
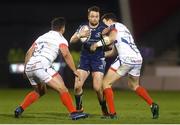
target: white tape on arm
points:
(106, 40)
(99, 43)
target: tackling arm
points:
(68, 58)
(106, 40)
(110, 53)
(75, 37)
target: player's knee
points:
(106, 84)
(77, 86)
(40, 92)
(61, 89)
(78, 91)
(133, 86)
(133, 82)
(97, 88)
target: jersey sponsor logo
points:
(131, 60)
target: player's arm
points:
(77, 35)
(68, 58)
(106, 31)
(112, 36)
(110, 53)
(107, 40)
(29, 54)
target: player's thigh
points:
(57, 84)
(115, 72)
(135, 70)
(84, 63)
(97, 79)
(83, 76)
(133, 81)
(134, 74)
(110, 78)
(120, 68)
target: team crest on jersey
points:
(98, 35)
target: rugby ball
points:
(82, 29)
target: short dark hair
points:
(93, 8)
(108, 16)
(58, 23)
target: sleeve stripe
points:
(63, 45)
(114, 29)
(34, 45)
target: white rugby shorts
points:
(36, 73)
(123, 68)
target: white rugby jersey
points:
(47, 46)
(127, 50)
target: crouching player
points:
(38, 68)
(128, 61)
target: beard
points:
(94, 23)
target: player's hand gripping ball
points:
(84, 33)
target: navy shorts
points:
(92, 64)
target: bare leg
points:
(78, 89)
(58, 84)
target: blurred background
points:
(155, 25)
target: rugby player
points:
(90, 62)
(39, 70)
(128, 62)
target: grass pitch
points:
(49, 110)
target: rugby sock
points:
(78, 99)
(67, 101)
(103, 107)
(108, 93)
(29, 99)
(144, 94)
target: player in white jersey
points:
(38, 68)
(128, 61)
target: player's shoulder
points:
(63, 40)
(47, 34)
(120, 25)
(40, 37)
